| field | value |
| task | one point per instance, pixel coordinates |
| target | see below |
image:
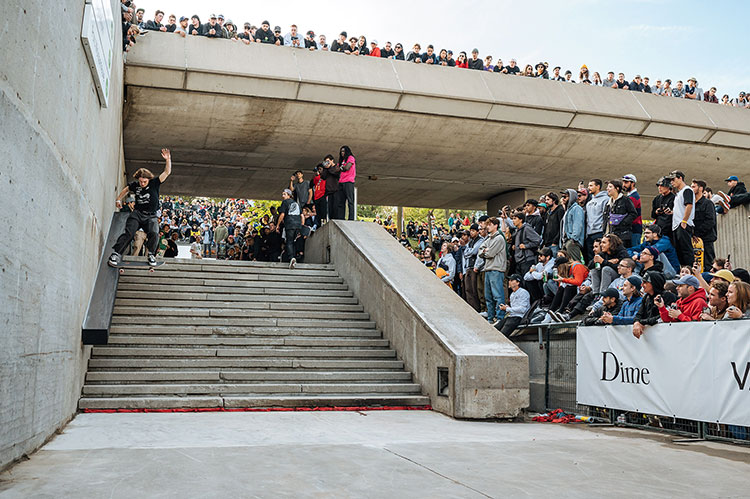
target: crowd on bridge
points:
(585, 254)
(215, 26)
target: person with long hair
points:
(362, 46)
(612, 251)
(738, 298)
(347, 165)
(529, 71)
(583, 74)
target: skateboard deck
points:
(137, 265)
(698, 252)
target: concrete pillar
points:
(356, 205)
(399, 220)
(513, 198)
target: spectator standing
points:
(661, 207)
(705, 220)
(740, 101)
(533, 217)
(156, 24)
(689, 307)
(610, 81)
(462, 61)
(348, 166)
(310, 42)
(526, 242)
(574, 224)
(414, 55)
(196, 28)
(475, 62)
(212, 29)
(692, 91)
(493, 251)
(322, 45)
(555, 214)
(471, 250)
(679, 90)
(340, 45)
(636, 85)
(621, 82)
(519, 305)
(683, 216)
(398, 52)
(264, 34)
(278, 40)
(429, 57)
(619, 212)
(387, 51)
(247, 35)
(594, 215)
(301, 189)
(374, 50)
(447, 263)
(319, 194)
(293, 39)
(710, 96)
(330, 175)
(628, 186)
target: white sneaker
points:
(293, 263)
(114, 259)
(152, 260)
(483, 314)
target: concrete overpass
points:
(240, 118)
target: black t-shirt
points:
(513, 70)
(146, 198)
(429, 59)
(476, 64)
(292, 214)
(385, 54)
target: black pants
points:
(588, 249)
(138, 220)
(332, 200)
(709, 255)
(683, 244)
(346, 198)
(563, 297)
(508, 325)
(321, 208)
(289, 252)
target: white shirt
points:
(678, 211)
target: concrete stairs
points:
(217, 334)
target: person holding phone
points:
(690, 305)
(648, 314)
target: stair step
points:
(233, 362)
(231, 321)
(166, 352)
(290, 293)
(247, 389)
(343, 330)
(281, 297)
(166, 301)
(234, 270)
(154, 278)
(175, 341)
(288, 277)
(246, 376)
(235, 265)
(185, 312)
(261, 401)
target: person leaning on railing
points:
(648, 314)
(738, 297)
(717, 302)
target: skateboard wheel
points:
(151, 271)
(122, 271)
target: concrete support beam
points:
(428, 325)
(400, 220)
(513, 198)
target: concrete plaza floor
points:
(370, 454)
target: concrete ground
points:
(370, 454)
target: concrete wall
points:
(61, 164)
(734, 236)
(427, 324)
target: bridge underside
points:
(239, 146)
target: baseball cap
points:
(287, 191)
(450, 52)
(654, 252)
(311, 33)
(610, 293)
(266, 22)
(582, 192)
(675, 174)
(374, 41)
(277, 29)
(636, 281)
(474, 51)
(724, 274)
(515, 277)
(692, 78)
(664, 182)
(733, 177)
(689, 280)
(221, 16)
(183, 18)
(629, 178)
(343, 33)
(212, 16)
(542, 205)
(474, 227)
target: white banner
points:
(696, 370)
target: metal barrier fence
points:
(557, 369)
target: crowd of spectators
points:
(134, 23)
(585, 254)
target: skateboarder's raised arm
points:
(168, 167)
(123, 193)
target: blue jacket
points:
(664, 245)
(627, 311)
(574, 223)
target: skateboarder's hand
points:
(118, 203)
(166, 154)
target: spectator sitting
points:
(606, 261)
(648, 314)
(648, 258)
(570, 276)
(738, 298)
(610, 305)
(630, 305)
(652, 238)
(690, 305)
(736, 196)
(538, 280)
(625, 269)
(717, 302)
(519, 305)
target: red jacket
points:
(578, 272)
(690, 307)
(375, 52)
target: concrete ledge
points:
(427, 324)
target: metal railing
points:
(557, 342)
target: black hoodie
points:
(738, 189)
(648, 314)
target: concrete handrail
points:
(428, 325)
(221, 66)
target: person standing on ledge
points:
(146, 191)
(348, 166)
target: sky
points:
(655, 38)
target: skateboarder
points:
(146, 191)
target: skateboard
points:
(137, 265)
(698, 252)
